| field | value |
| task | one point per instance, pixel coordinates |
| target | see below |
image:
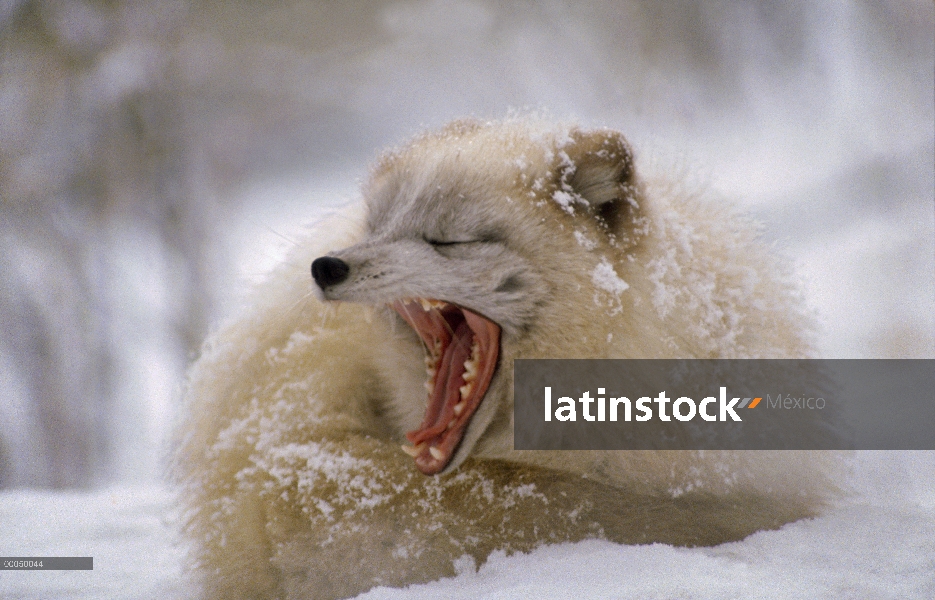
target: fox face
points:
(471, 253)
(417, 252)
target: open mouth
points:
(461, 356)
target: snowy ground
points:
(877, 544)
(123, 529)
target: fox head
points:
(476, 238)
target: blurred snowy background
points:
(156, 157)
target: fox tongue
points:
(446, 393)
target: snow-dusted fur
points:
(291, 475)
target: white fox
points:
(476, 245)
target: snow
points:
(878, 542)
(584, 241)
(845, 555)
(126, 531)
(605, 277)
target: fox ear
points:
(598, 167)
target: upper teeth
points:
(428, 305)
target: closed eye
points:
(483, 238)
(449, 242)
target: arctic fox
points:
(365, 437)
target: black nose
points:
(329, 270)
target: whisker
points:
(298, 304)
(329, 312)
(280, 235)
(428, 351)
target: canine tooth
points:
(430, 372)
(466, 390)
(436, 453)
(413, 451)
(429, 387)
(459, 408)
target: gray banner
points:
(47, 563)
(724, 404)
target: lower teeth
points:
(413, 451)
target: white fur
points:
(289, 461)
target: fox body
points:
(356, 430)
